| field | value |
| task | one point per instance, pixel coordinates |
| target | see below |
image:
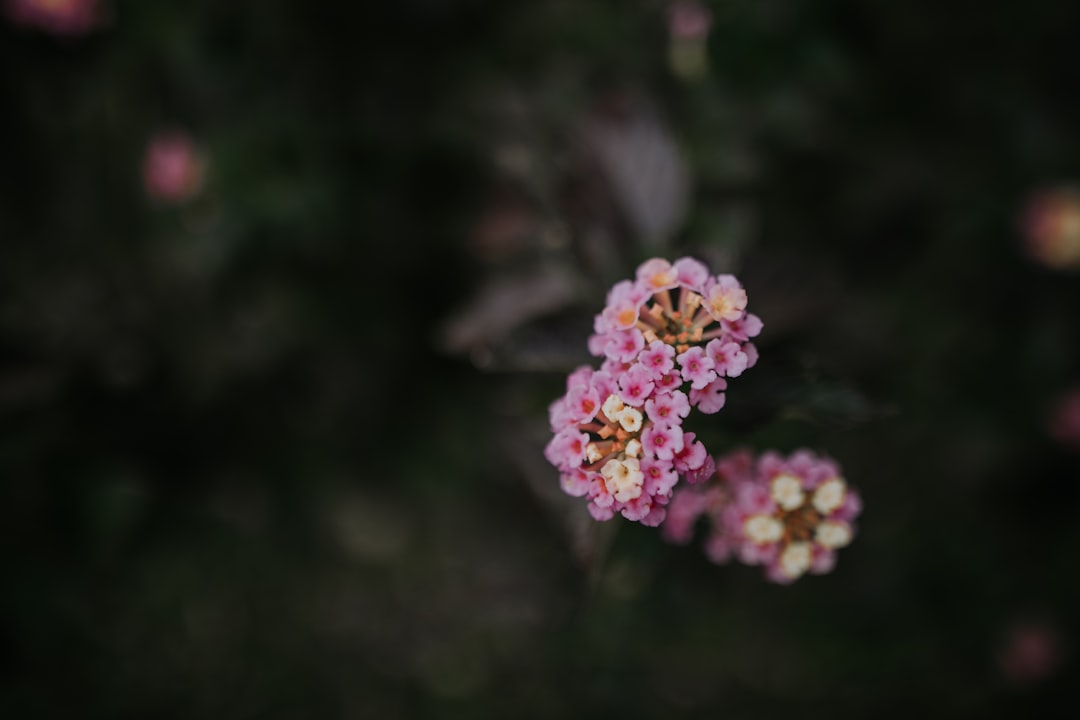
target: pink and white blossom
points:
(788, 514)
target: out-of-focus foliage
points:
(273, 449)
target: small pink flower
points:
(692, 456)
(743, 328)
(624, 345)
(669, 382)
(667, 408)
(635, 386)
(637, 509)
(692, 273)
(580, 376)
(622, 309)
(660, 478)
(658, 358)
(701, 474)
(172, 169)
(576, 483)
(751, 355)
(598, 492)
(627, 292)
(697, 368)
(656, 275)
(711, 398)
(728, 358)
(601, 513)
(596, 344)
(725, 298)
(567, 449)
(655, 517)
(604, 383)
(584, 402)
(560, 415)
(662, 441)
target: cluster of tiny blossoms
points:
(789, 515)
(669, 339)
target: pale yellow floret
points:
(833, 535)
(612, 406)
(623, 478)
(630, 419)
(593, 453)
(829, 495)
(662, 278)
(721, 305)
(763, 529)
(633, 448)
(795, 560)
(787, 491)
(626, 316)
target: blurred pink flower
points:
(688, 19)
(59, 17)
(172, 168)
(789, 515)
(688, 25)
(1065, 422)
(1051, 227)
(1030, 652)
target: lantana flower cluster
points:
(789, 515)
(670, 338)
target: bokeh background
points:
(271, 414)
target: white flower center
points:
(623, 478)
(795, 560)
(612, 406)
(833, 535)
(829, 495)
(630, 419)
(763, 529)
(787, 491)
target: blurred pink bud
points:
(59, 17)
(1065, 422)
(1030, 653)
(172, 168)
(1051, 227)
(688, 19)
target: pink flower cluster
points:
(681, 327)
(789, 515)
(670, 339)
(59, 17)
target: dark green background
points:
(242, 477)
